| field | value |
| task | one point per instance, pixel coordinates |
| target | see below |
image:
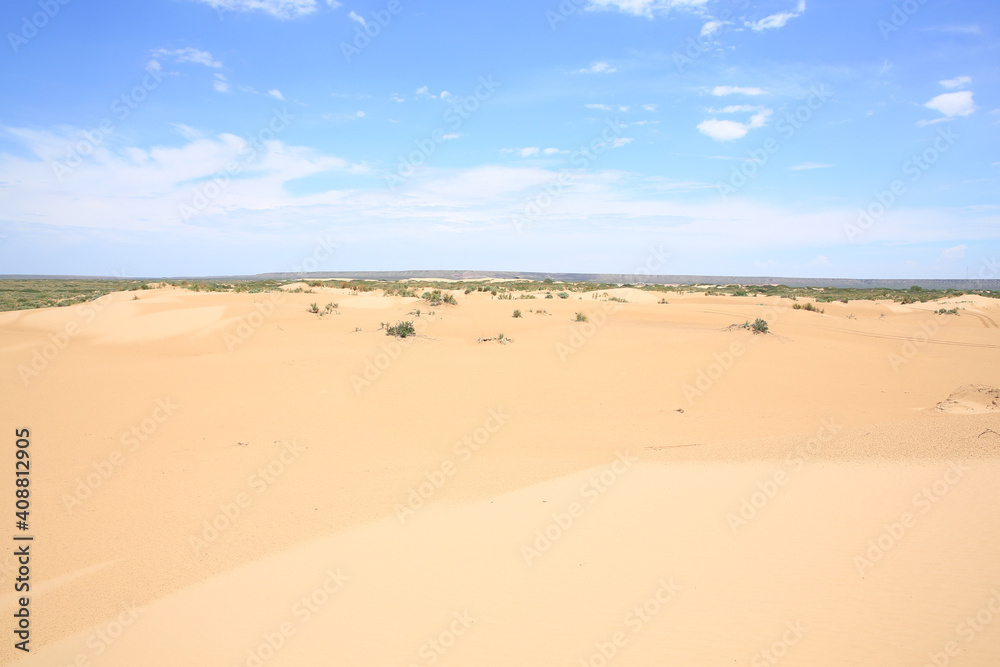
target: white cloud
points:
(276, 94)
(775, 21)
(623, 108)
(953, 104)
(736, 108)
(189, 54)
(531, 151)
(354, 16)
(718, 91)
(810, 165)
(282, 9)
(221, 84)
(598, 68)
(649, 107)
(957, 82)
(602, 107)
(819, 260)
(710, 28)
(645, 8)
(621, 141)
(553, 151)
(449, 137)
(396, 98)
(115, 184)
(728, 130)
(956, 252)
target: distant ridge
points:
(621, 278)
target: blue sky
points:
(781, 138)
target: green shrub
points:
(580, 317)
(517, 313)
(314, 309)
(759, 326)
(401, 330)
(563, 295)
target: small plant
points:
(401, 329)
(314, 309)
(563, 295)
(517, 313)
(809, 306)
(663, 301)
(759, 326)
(329, 308)
(448, 298)
(580, 317)
(549, 296)
(949, 311)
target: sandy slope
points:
(301, 439)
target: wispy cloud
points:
(775, 21)
(647, 8)
(189, 54)
(957, 82)
(719, 91)
(282, 9)
(810, 165)
(602, 107)
(276, 94)
(221, 83)
(598, 68)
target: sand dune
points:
(209, 459)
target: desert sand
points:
(226, 479)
